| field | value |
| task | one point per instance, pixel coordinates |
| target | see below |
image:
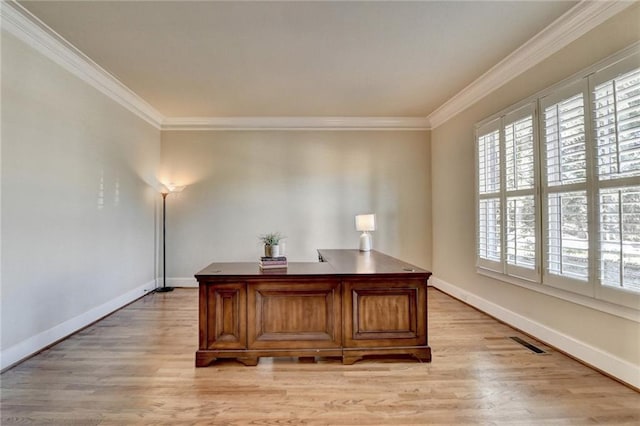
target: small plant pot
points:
(271, 251)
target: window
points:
(489, 208)
(558, 194)
(565, 201)
(616, 123)
(520, 201)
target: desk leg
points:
(203, 359)
(423, 355)
(251, 362)
(349, 359)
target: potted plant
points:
(271, 244)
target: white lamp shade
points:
(366, 222)
(171, 188)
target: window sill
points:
(599, 305)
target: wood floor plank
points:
(137, 367)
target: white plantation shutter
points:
(620, 238)
(521, 232)
(566, 204)
(617, 126)
(564, 133)
(521, 208)
(520, 172)
(616, 114)
(490, 237)
(489, 162)
(567, 241)
(489, 211)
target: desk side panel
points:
(384, 313)
(223, 315)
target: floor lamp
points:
(166, 191)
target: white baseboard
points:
(182, 282)
(41, 340)
(609, 363)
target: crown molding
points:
(21, 23)
(577, 21)
(583, 17)
(296, 123)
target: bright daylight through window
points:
(558, 186)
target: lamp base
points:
(365, 242)
(164, 289)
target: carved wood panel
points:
(227, 303)
(382, 313)
(282, 315)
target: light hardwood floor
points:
(137, 367)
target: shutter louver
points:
(617, 125)
(568, 240)
(489, 163)
(620, 237)
(489, 238)
(519, 154)
(521, 231)
(565, 142)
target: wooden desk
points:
(350, 304)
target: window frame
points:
(563, 282)
(617, 301)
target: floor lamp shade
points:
(365, 223)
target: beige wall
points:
(308, 185)
(78, 214)
(453, 200)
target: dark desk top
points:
(335, 262)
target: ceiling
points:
(297, 59)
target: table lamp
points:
(365, 223)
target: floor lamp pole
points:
(164, 287)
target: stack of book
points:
(279, 262)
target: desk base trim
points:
(251, 357)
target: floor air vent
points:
(528, 345)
